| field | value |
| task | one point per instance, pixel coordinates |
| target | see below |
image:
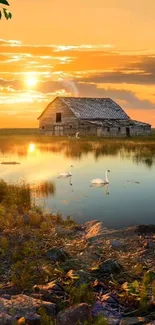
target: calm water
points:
(129, 198)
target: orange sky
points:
(96, 48)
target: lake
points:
(129, 198)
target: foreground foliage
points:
(4, 12)
(37, 249)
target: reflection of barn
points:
(89, 116)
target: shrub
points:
(83, 293)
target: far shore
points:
(33, 134)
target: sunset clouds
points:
(32, 75)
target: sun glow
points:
(31, 147)
(31, 81)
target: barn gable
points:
(91, 108)
(89, 116)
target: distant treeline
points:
(14, 131)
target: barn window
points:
(58, 117)
(108, 129)
(70, 126)
(119, 129)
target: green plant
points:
(98, 320)
(148, 280)
(4, 243)
(4, 11)
(83, 293)
(45, 319)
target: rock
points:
(24, 306)
(70, 264)
(110, 266)
(57, 254)
(49, 287)
(80, 276)
(9, 289)
(149, 244)
(51, 292)
(63, 231)
(111, 298)
(109, 306)
(26, 219)
(74, 315)
(94, 230)
(115, 243)
(99, 287)
(132, 321)
(6, 296)
(145, 229)
(6, 319)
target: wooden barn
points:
(89, 117)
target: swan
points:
(101, 181)
(65, 175)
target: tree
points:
(3, 11)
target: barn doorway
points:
(99, 132)
(128, 131)
(58, 130)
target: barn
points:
(90, 117)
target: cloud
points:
(120, 77)
(127, 99)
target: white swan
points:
(65, 175)
(100, 181)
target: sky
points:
(90, 48)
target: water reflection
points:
(31, 147)
(77, 150)
(131, 163)
(45, 189)
(105, 186)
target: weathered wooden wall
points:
(70, 124)
(48, 120)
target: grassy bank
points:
(58, 264)
(27, 134)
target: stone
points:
(26, 219)
(6, 319)
(149, 244)
(132, 321)
(70, 264)
(57, 254)
(49, 287)
(108, 306)
(110, 266)
(23, 306)
(110, 298)
(63, 231)
(94, 230)
(115, 243)
(145, 229)
(81, 276)
(99, 287)
(74, 315)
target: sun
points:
(31, 81)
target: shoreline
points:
(64, 273)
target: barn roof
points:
(93, 108)
(118, 123)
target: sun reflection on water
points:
(31, 147)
